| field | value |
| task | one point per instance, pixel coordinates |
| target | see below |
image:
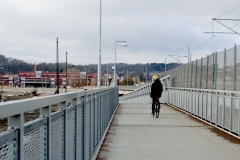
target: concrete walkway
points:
(136, 135)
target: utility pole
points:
(57, 69)
(146, 74)
(127, 77)
(188, 54)
(66, 74)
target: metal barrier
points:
(72, 132)
(219, 107)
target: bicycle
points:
(157, 108)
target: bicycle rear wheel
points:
(157, 110)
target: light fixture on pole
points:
(124, 43)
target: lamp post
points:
(107, 74)
(99, 55)
(123, 44)
(2, 83)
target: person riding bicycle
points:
(156, 92)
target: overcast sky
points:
(153, 29)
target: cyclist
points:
(156, 92)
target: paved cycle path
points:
(136, 135)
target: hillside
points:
(13, 66)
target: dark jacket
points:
(156, 89)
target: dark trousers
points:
(153, 103)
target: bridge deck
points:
(136, 134)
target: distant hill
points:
(13, 66)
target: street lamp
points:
(99, 55)
(125, 45)
(107, 74)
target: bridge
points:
(199, 119)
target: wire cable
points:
(213, 36)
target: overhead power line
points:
(209, 32)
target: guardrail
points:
(73, 132)
(219, 107)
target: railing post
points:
(74, 102)
(63, 107)
(46, 112)
(207, 73)
(224, 69)
(224, 107)
(235, 68)
(238, 117)
(231, 99)
(217, 96)
(195, 83)
(16, 122)
(200, 85)
(84, 151)
(215, 71)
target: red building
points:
(49, 79)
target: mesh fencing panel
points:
(210, 72)
(204, 106)
(204, 73)
(9, 149)
(194, 67)
(200, 105)
(235, 116)
(57, 138)
(209, 105)
(227, 113)
(198, 73)
(34, 142)
(220, 110)
(238, 69)
(229, 77)
(220, 70)
(71, 133)
(214, 108)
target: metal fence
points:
(218, 107)
(72, 132)
(220, 70)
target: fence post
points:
(191, 74)
(215, 71)
(46, 112)
(63, 107)
(17, 121)
(200, 81)
(195, 83)
(224, 69)
(207, 73)
(235, 68)
(74, 102)
(84, 151)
